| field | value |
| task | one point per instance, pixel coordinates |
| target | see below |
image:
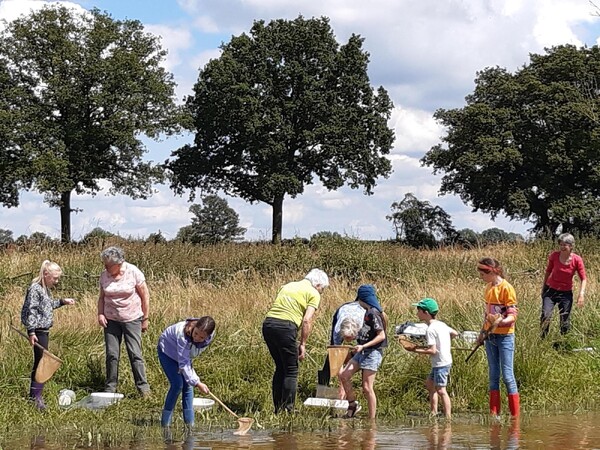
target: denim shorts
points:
(440, 375)
(369, 359)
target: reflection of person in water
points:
(352, 438)
(512, 437)
(439, 436)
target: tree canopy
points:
(281, 106)
(214, 221)
(527, 143)
(419, 224)
(83, 89)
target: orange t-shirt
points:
(501, 299)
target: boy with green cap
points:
(438, 337)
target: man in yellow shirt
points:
(293, 309)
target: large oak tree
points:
(281, 106)
(83, 89)
(528, 143)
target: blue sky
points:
(425, 53)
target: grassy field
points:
(236, 284)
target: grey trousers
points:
(113, 335)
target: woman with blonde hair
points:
(37, 317)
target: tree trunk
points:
(65, 217)
(277, 219)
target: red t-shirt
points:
(561, 275)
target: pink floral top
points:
(122, 303)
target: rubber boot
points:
(35, 393)
(514, 404)
(188, 417)
(165, 418)
(495, 403)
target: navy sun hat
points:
(366, 293)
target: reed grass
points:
(236, 284)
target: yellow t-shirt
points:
(292, 301)
(501, 299)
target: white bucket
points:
(102, 399)
(66, 397)
(203, 404)
(470, 337)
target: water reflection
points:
(546, 432)
(439, 436)
(357, 439)
(505, 437)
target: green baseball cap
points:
(428, 304)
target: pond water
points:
(558, 432)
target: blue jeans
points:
(500, 351)
(177, 385)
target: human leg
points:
(440, 381)
(176, 382)
(113, 335)
(36, 389)
(132, 332)
(506, 345)
(433, 397)
(187, 399)
(368, 386)
(547, 307)
(565, 303)
(491, 350)
(346, 380)
(280, 337)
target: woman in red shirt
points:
(558, 284)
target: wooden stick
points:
(223, 405)
(35, 343)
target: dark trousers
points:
(280, 336)
(42, 335)
(564, 300)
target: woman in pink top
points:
(123, 307)
(558, 284)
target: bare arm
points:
(581, 292)
(144, 294)
(101, 318)
(307, 322)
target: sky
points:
(425, 53)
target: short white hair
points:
(349, 328)
(317, 278)
(566, 238)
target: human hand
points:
(580, 301)
(32, 339)
(359, 348)
(481, 338)
(102, 321)
(68, 301)
(145, 325)
(203, 388)
(301, 352)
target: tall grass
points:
(236, 284)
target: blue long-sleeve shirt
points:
(38, 307)
(174, 343)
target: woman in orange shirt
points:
(501, 308)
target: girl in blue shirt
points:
(177, 346)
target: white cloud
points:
(174, 40)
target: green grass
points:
(237, 290)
